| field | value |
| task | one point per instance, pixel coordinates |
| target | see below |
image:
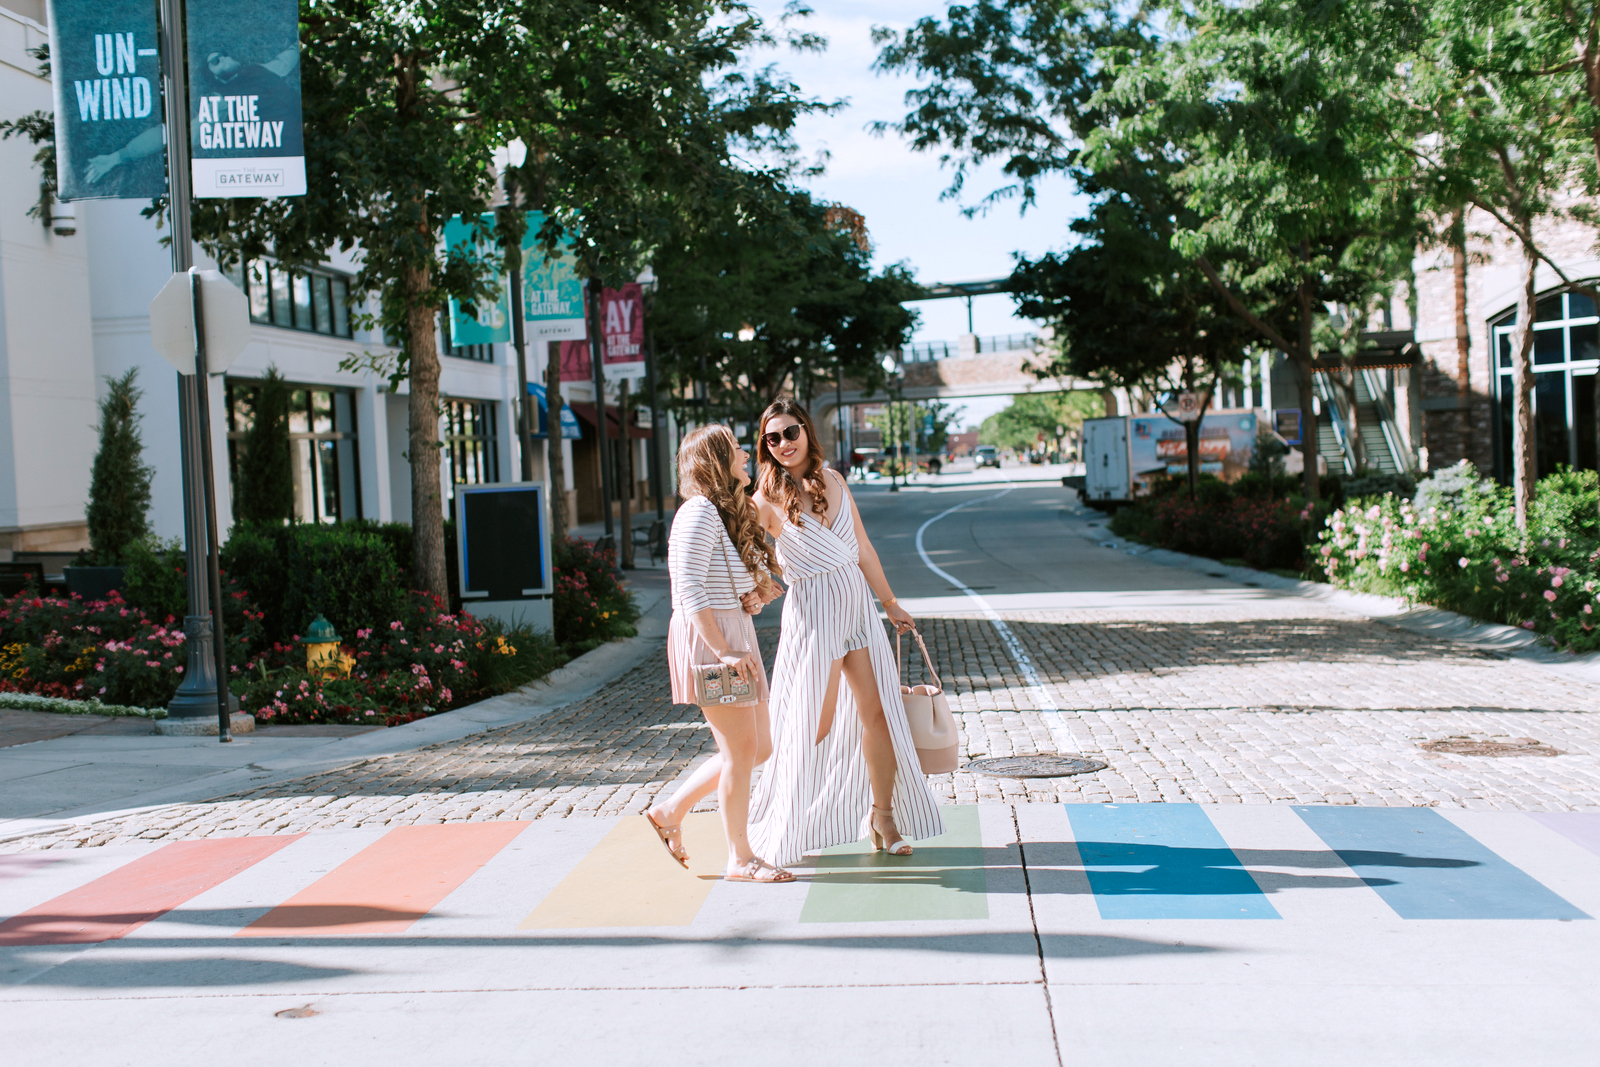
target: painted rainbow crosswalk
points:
(1142, 862)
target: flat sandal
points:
(755, 870)
(680, 853)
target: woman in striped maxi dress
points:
(843, 765)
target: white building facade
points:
(74, 310)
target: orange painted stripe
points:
(390, 884)
(118, 903)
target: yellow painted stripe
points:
(629, 880)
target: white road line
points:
(1060, 733)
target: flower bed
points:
(1464, 552)
(591, 606)
(101, 649)
(425, 662)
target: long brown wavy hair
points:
(776, 483)
(705, 466)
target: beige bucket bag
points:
(933, 727)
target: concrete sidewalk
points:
(113, 768)
(1028, 934)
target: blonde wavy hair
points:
(705, 468)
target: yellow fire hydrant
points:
(323, 655)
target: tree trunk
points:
(1308, 416)
(556, 463)
(1458, 267)
(427, 509)
(1523, 470)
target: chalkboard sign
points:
(500, 533)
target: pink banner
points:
(622, 324)
(575, 363)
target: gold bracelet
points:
(891, 602)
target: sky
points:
(898, 190)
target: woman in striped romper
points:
(844, 763)
(718, 582)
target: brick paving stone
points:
(1275, 700)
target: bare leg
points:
(830, 702)
(735, 731)
(877, 747)
(704, 779)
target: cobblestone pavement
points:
(1272, 699)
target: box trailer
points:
(1107, 463)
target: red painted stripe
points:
(391, 883)
(118, 903)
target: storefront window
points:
(324, 463)
(471, 453)
(1566, 355)
(316, 301)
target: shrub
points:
(294, 572)
(1267, 534)
(266, 468)
(590, 606)
(155, 578)
(119, 485)
(1467, 555)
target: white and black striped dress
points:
(812, 795)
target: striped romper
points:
(813, 795)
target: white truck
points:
(1106, 462)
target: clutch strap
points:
(927, 659)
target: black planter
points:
(93, 583)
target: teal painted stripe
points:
(1426, 867)
(944, 879)
(1162, 861)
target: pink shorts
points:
(685, 649)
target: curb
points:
(577, 680)
(1509, 642)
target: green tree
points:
(778, 296)
(265, 489)
(1030, 414)
(119, 487)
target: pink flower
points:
(1528, 625)
(1405, 566)
(1462, 561)
(396, 625)
(1587, 610)
(1556, 582)
(1550, 594)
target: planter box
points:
(93, 583)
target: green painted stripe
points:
(944, 880)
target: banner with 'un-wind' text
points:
(106, 65)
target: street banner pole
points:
(524, 408)
(657, 481)
(597, 358)
(204, 685)
(219, 629)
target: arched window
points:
(1566, 355)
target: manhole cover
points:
(1035, 766)
(1478, 746)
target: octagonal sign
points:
(224, 308)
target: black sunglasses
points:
(788, 433)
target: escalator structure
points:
(1381, 436)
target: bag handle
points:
(927, 659)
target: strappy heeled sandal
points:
(900, 847)
(678, 853)
(757, 869)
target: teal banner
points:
(244, 98)
(552, 292)
(106, 67)
(492, 323)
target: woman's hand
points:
(900, 617)
(770, 590)
(752, 602)
(743, 664)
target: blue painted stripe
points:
(1162, 861)
(1426, 867)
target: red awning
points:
(613, 418)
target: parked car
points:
(987, 456)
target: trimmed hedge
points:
(295, 572)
